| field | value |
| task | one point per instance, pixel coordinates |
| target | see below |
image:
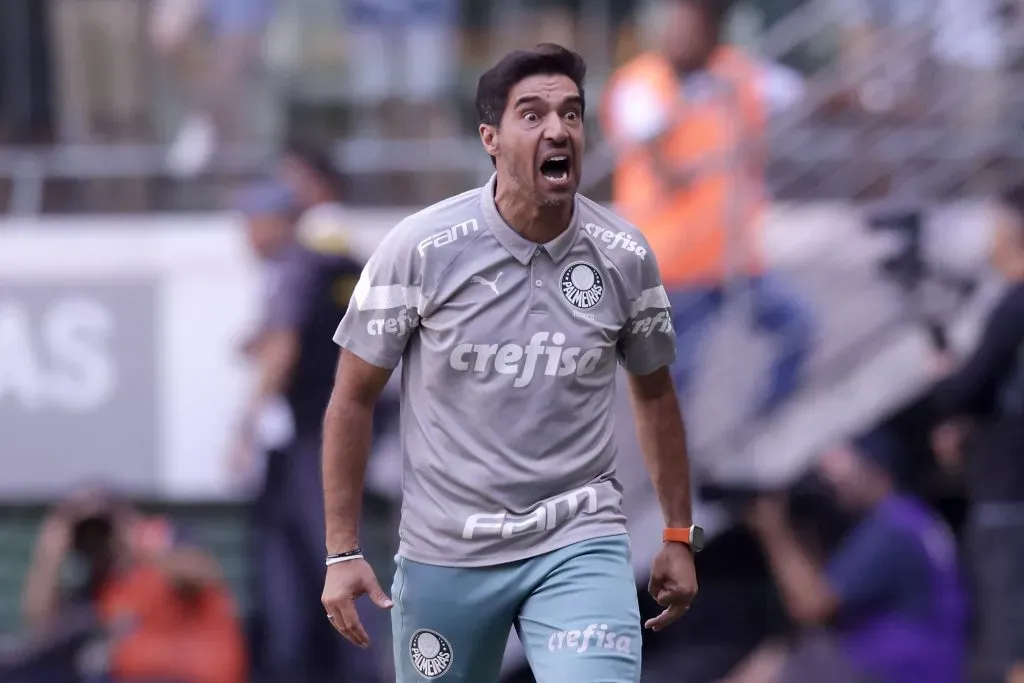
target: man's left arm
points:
(278, 352)
(662, 438)
(646, 350)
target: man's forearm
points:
(276, 363)
(42, 589)
(662, 437)
(348, 428)
(805, 592)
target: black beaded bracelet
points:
(350, 553)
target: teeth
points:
(562, 158)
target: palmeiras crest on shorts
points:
(582, 285)
(431, 653)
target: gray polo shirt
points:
(509, 352)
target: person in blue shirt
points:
(305, 294)
(889, 599)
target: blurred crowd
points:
(897, 555)
(864, 88)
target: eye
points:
(531, 117)
(572, 115)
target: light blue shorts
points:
(575, 610)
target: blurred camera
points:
(93, 535)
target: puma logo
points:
(480, 280)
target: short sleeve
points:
(638, 113)
(647, 342)
(875, 567)
(386, 304)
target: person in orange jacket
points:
(689, 125)
(162, 610)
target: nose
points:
(554, 129)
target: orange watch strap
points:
(676, 536)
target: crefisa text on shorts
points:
(593, 637)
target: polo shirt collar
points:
(521, 248)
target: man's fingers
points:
(379, 597)
(669, 615)
(342, 615)
(334, 616)
(654, 587)
(683, 597)
(356, 632)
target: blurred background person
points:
(689, 124)
(403, 56)
(101, 86)
(316, 184)
(890, 596)
(146, 603)
(292, 352)
(218, 87)
(987, 391)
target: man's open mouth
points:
(556, 168)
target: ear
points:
(489, 138)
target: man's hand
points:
(768, 514)
(673, 584)
(947, 443)
(345, 583)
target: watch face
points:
(696, 539)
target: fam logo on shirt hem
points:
(582, 285)
(431, 653)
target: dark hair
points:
(887, 452)
(716, 11)
(317, 160)
(548, 58)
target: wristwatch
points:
(692, 536)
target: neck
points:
(537, 223)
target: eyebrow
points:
(574, 100)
